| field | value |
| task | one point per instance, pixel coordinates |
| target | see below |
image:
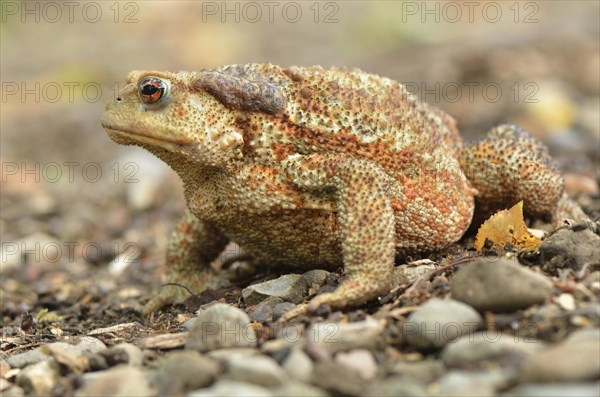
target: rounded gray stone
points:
(574, 360)
(499, 285)
(185, 371)
(122, 380)
(260, 370)
(488, 349)
(439, 321)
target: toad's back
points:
(308, 110)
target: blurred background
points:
(536, 64)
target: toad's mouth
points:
(142, 138)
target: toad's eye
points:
(151, 90)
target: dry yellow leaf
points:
(506, 226)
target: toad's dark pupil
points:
(149, 89)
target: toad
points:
(319, 168)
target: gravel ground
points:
(456, 323)
(83, 252)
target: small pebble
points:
(339, 336)
(14, 391)
(298, 365)
(438, 321)
(396, 386)
(232, 388)
(124, 353)
(38, 379)
(184, 371)
(260, 370)
(584, 335)
(282, 308)
(316, 276)
(338, 379)
(425, 371)
(475, 384)
(569, 249)
(122, 380)
(234, 353)
(566, 301)
(220, 326)
(360, 360)
(290, 288)
(86, 344)
(405, 274)
(298, 389)
(263, 312)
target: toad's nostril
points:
(118, 99)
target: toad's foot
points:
(353, 291)
(168, 295)
(178, 290)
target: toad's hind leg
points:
(508, 166)
(193, 245)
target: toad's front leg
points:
(366, 219)
(193, 245)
